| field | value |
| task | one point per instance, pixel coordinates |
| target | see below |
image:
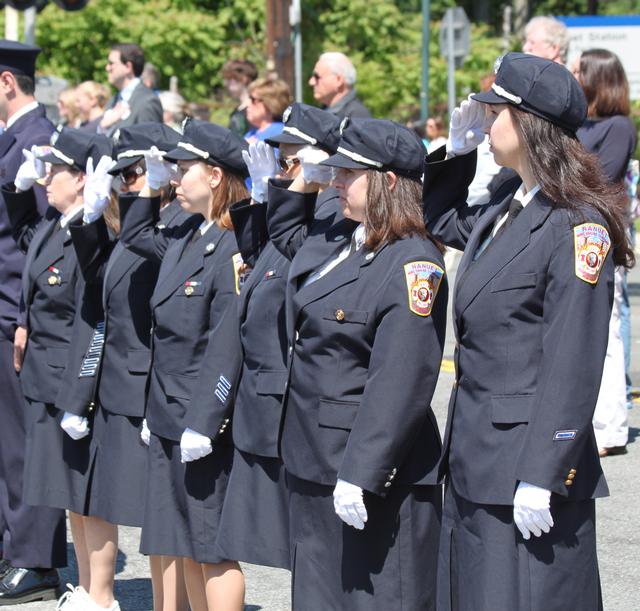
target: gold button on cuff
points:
(572, 471)
(340, 314)
(568, 482)
(387, 484)
(571, 475)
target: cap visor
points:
(52, 158)
(284, 138)
(342, 161)
(180, 154)
(123, 163)
(489, 97)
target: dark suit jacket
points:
(197, 283)
(362, 365)
(32, 128)
(126, 284)
(144, 105)
(531, 341)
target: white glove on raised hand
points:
(348, 503)
(159, 171)
(194, 446)
(76, 427)
(466, 128)
(262, 165)
(97, 188)
(30, 170)
(145, 433)
(310, 158)
(531, 510)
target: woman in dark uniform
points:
(532, 302)
(200, 276)
(58, 462)
(254, 522)
(366, 307)
(114, 376)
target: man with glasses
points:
(333, 80)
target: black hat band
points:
(134, 153)
(359, 158)
(294, 131)
(503, 93)
(194, 149)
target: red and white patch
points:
(423, 281)
(592, 243)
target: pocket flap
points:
(57, 357)
(511, 409)
(341, 315)
(514, 281)
(272, 382)
(337, 414)
(176, 385)
(138, 361)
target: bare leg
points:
(102, 546)
(155, 564)
(170, 594)
(224, 584)
(194, 580)
(80, 546)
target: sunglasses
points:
(286, 164)
(129, 175)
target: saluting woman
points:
(532, 302)
(366, 307)
(190, 453)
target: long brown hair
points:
(230, 190)
(391, 215)
(604, 83)
(572, 178)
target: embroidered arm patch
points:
(423, 281)
(591, 243)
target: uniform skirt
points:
(120, 469)
(184, 501)
(391, 564)
(57, 469)
(486, 565)
(255, 517)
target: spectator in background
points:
(436, 132)
(610, 134)
(150, 77)
(134, 102)
(268, 99)
(91, 100)
(333, 82)
(546, 37)
(198, 111)
(173, 109)
(68, 115)
(237, 74)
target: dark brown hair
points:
(391, 215)
(240, 70)
(230, 190)
(572, 178)
(604, 83)
(131, 53)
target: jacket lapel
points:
(43, 233)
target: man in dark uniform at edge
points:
(33, 538)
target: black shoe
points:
(5, 567)
(26, 585)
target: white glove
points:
(145, 433)
(194, 446)
(158, 170)
(262, 165)
(531, 510)
(76, 427)
(32, 169)
(348, 503)
(466, 128)
(97, 188)
(310, 158)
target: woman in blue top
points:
(268, 99)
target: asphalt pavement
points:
(618, 532)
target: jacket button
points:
(568, 482)
(339, 314)
(572, 471)
(387, 484)
(571, 475)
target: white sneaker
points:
(74, 599)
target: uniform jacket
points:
(32, 128)
(197, 282)
(144, 105)
(52, 289)
(116, 373)
(531, 341)
(362, 365)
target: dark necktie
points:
(515, 208)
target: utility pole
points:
(520, 16)
(279, 47)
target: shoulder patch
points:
(591, 243)
(241, 271)
(423, 281)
